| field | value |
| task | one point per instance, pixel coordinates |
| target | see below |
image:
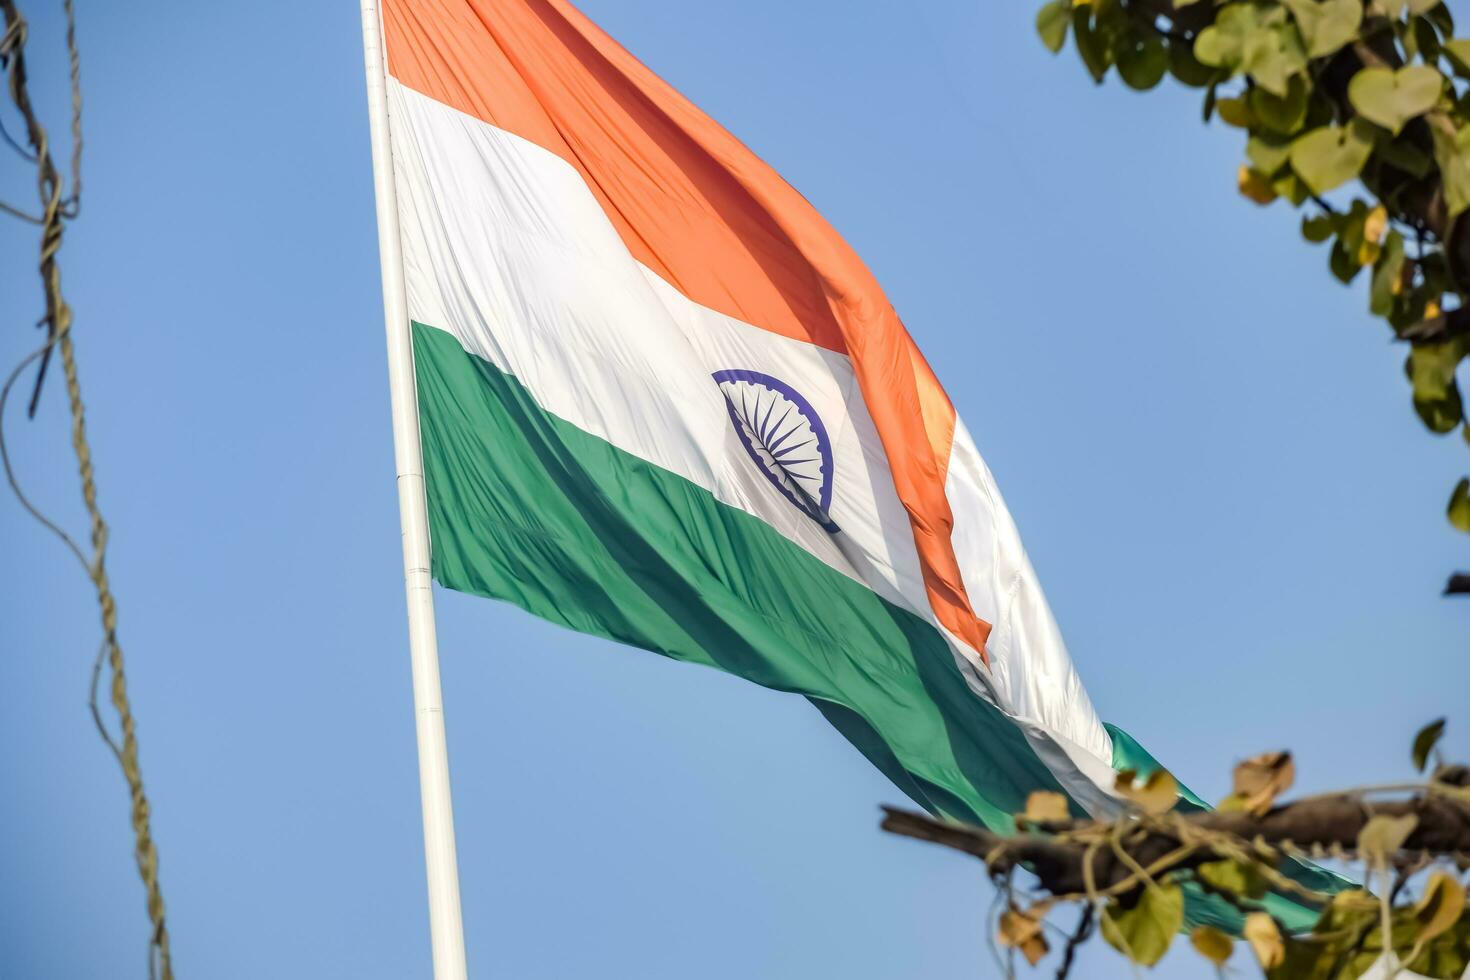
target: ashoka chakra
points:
(783, 435)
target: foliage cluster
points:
(1130, 876)
(1365, 100)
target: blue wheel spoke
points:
(794, 430)
(791, 449)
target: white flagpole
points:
(446, 928)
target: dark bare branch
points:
(1331, 822)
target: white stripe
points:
(1028, 659)
(506, 248)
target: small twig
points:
(10, 476)
(1079, 936)
(16, 212)
(25, 154)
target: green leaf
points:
(1291, 187)
(1256, 39)
(1391, 98)
(1452, 153)
(1405, 156)
(1222, 44)
(1318, 228)
(1431, 369)
(1326, 27)
(1144, 932)
(1052, 21)
(1348, 916)
(1267, 156)
(1184, 66)
(1092, 45)
(1352, 926)
(1362, 229)
(1142, 61)
(1426, 40)
(1422, 6)
(1386, 275)
(1330, 156)
(1443, 956)
(1443, 20)
(1428, 735)
(1282, 114)
(1447, 955)
(1459, 509)
(1272, 56)
(1233, 877)
(1458, 51)
(1344, 263)
(1435, 271)
(1306, 959)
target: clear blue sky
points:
(1207, 443)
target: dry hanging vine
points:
(56, 210)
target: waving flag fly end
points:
(662, 401)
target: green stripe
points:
(1128, 754)
(526, 507)
(1203, 909)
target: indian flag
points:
(662, 401)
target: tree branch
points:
(1331, 822)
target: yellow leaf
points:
(1404, 280)
(1157, 794)
(1383, 836)
(1212, 944)
(1441, 906)
(1261, 779)
(1043, 806)
(1265, 939)
(1254, 185)
(1375, 224)
(1431, 310)
(1016, 927)
(1355, 900)
(1234, 803)
(1235, 112)
(1021, 929)
(1034, 949)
